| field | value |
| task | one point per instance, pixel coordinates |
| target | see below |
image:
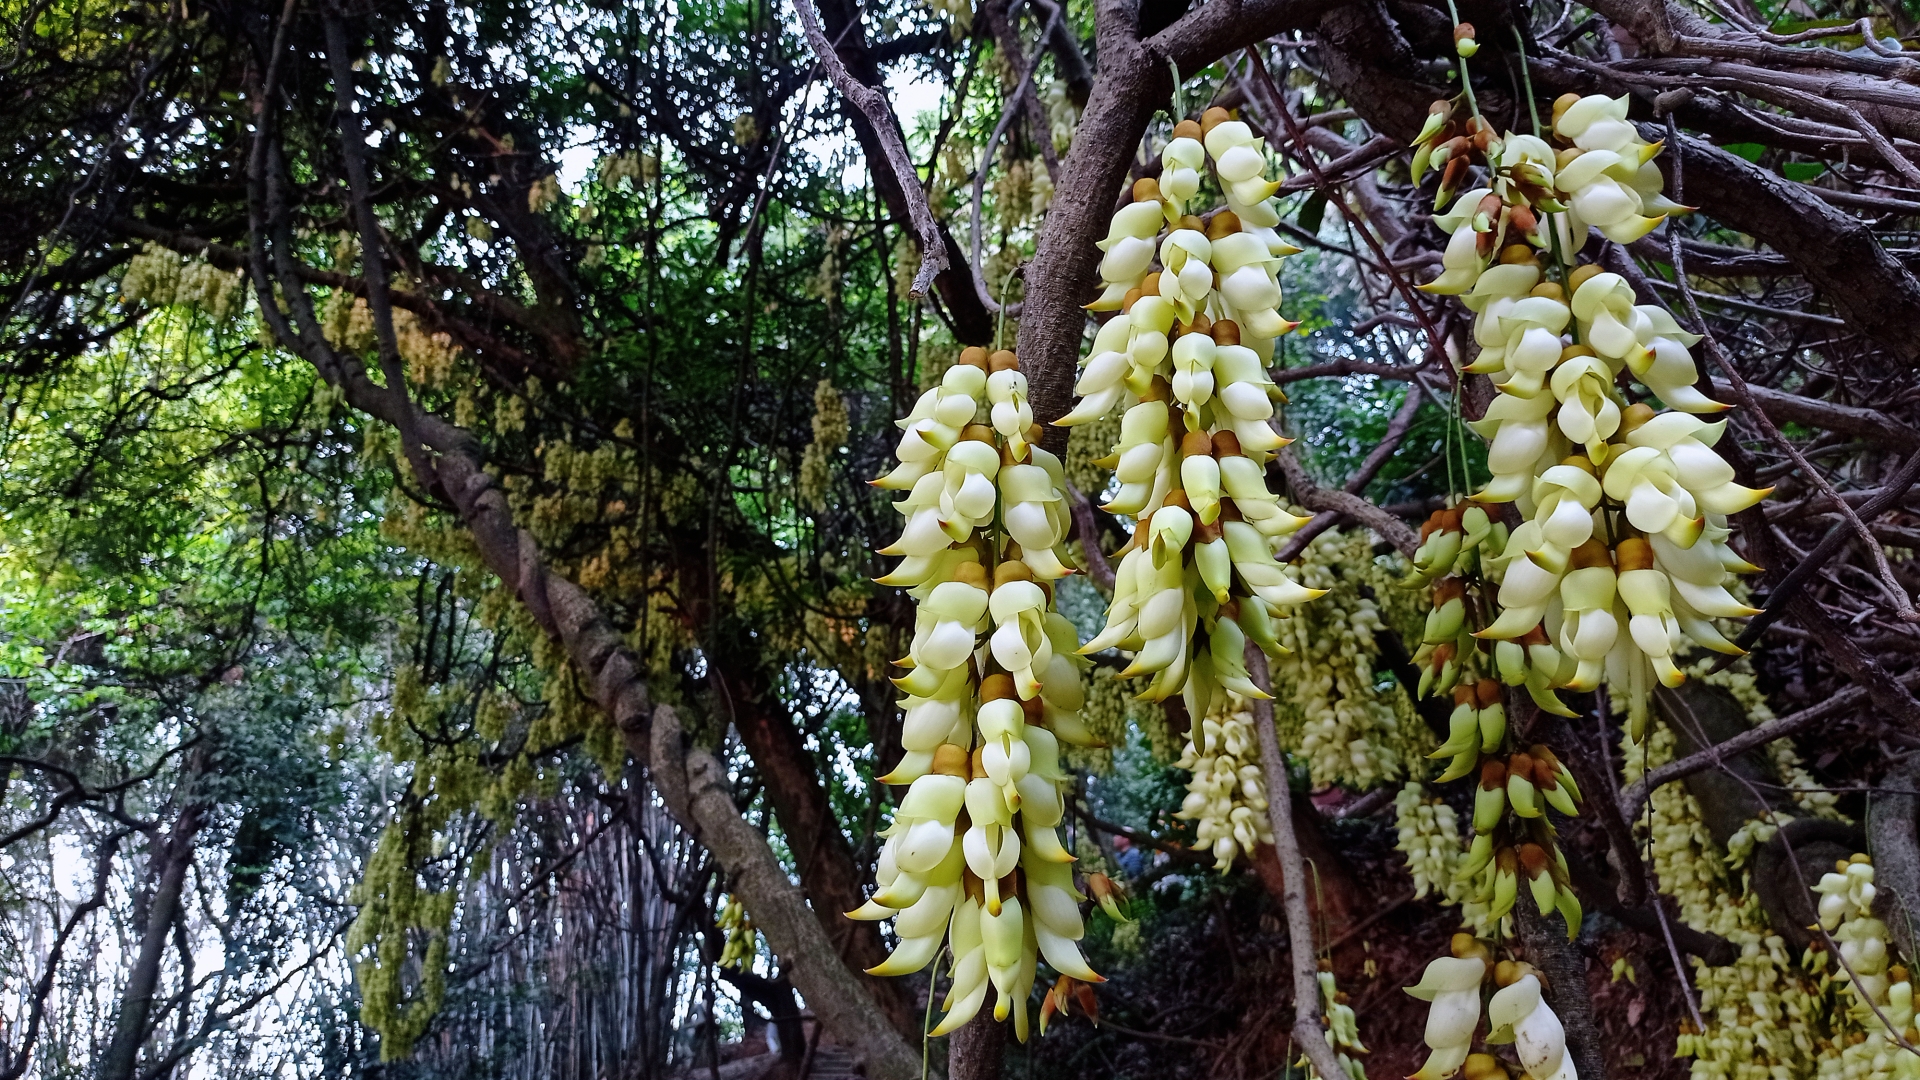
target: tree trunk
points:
(978, 1051)
(168, 866)
(1566, 971)
(694, 786)
(1896, 855)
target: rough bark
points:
(1566, 970)
(1895, 846)
(1363, 53)
(978, 1051)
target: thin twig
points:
(1098, 568)
(1890, 585)
(1314, 497)
(1635, 794)
(1007, 112)
(1271, 98)
(1783, 594)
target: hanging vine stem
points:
(1000, 309)
(1666, 931)
(1526, 79)
(926, 1022)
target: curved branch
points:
(1314, 497)
(873, 105)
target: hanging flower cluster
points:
(973, 857)
(1880, 991)
(742, 938)
(1429, 836)
(1188, 351)
(1063, 114)
(1516, 1014)
(1227, 796)
(1355, 725)
(1455, 545)
(1622, 558)
(161, 278)
(1343, 1028)
(1512, 836)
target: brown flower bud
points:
(1493, 774)
(1486, 693)
(1633, 553)
(1011, 570)
(950, 760)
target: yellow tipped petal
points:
(871, 912)
(1633, 229)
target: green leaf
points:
(1311, 213)
(1750, 151)
(1802, 170)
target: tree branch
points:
(873, 105)
(1308, 1028)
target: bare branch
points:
(1314, 497)
(873, 104)
(1635, 795)
(1308, 1029)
